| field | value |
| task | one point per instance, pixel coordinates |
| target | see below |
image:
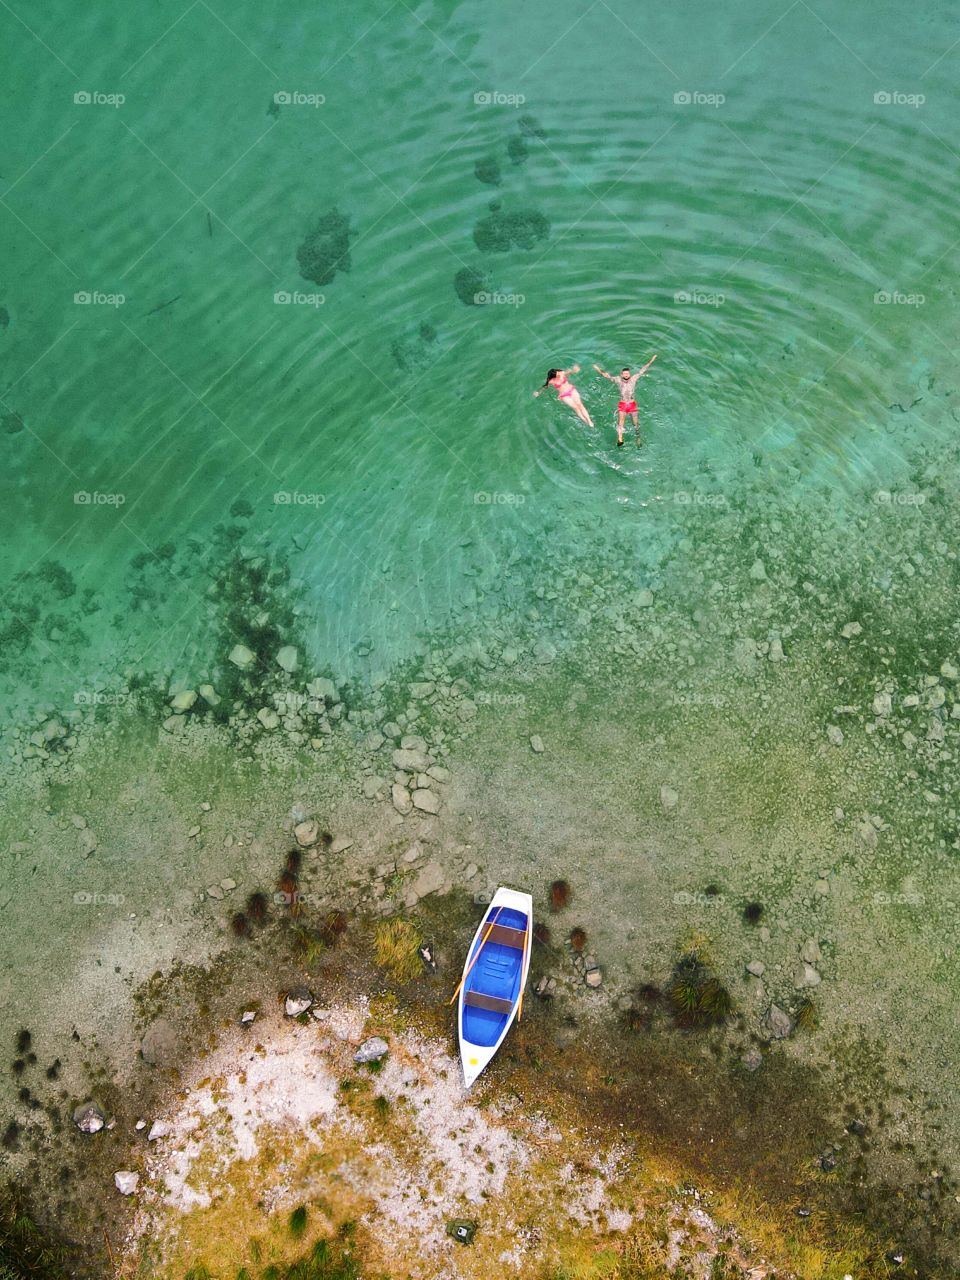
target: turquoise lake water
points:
(763, 197)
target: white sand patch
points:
(468, 1152)
(436, 1157)
(290, 1085)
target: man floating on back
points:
(626, 382)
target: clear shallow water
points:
(783, 211)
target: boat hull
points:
(495, 974)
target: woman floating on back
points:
(566, 391)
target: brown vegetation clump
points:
(559, 895)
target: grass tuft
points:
(806, 1018)
(696, 996)
(397, 949)
(310, 945)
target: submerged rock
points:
(411, 760)
(426, 801)
(306, 833)
(159, 1043)
(288, 658)
(89, 1118)
(810, 951)
(241, 656)
(806, 976)
(322, 688)
(401, 799)
(778, 1022)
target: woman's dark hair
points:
(551, 373)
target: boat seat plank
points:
(508, 937)
(493, 1003)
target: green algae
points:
(501, 231)
(517, 150)
(488, 171)
(326, 249)
(468, 284)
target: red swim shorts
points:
(627, 406)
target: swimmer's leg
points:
(621, 418)
(578, 408)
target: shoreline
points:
(588, 1084)
(621, 736)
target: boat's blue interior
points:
(496, 973)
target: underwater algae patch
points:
(469, 284)
(326, 249)
(501, 230)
